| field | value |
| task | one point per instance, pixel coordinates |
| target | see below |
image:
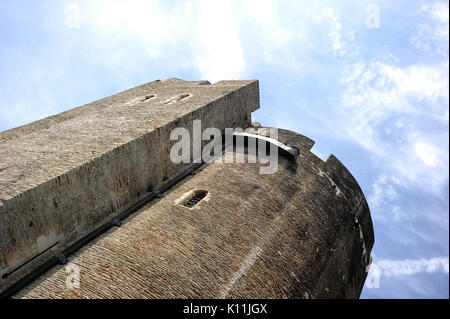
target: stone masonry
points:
(302, 232)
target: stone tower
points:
(95, 188)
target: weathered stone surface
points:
(291, 234)
(302, 232)
(62, 176)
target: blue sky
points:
(367, 80)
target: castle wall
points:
(63, 176)
(302, 232)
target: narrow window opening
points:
(195, 198)
(178, 98)
(182, 96)
(148, 97)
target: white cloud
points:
(204, 33)
(72, 20)
(384, 88)
(261, 25)
(390, 268)
(433, 37)
(398, 112)
(430, 154)
(389, 110)
(383, 191)
(219, 51)
(419, 81)
(383, 198)
(329, 14)
(142, 26)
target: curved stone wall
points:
(302, 232)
